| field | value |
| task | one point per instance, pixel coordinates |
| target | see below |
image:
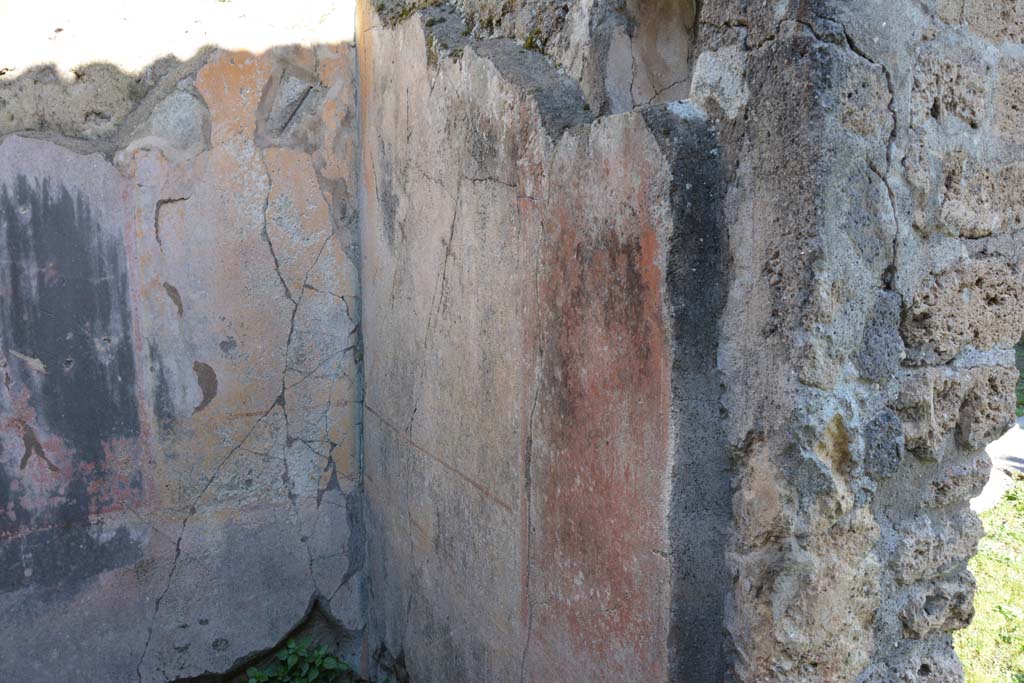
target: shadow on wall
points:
(1019, 359)
(181, 394)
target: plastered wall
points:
(582, 341)
(179, 452)
(522, 363)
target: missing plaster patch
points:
(317, 625)
(33, 447)
(291, 94)
(33, 364)
(207, 380)
(175, 297)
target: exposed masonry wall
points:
(684, 326)
(876, 294)
(180, 404)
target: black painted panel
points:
(65, 325)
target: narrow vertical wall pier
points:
(700, 503)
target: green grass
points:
(992, 647)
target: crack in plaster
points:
(279, 401)
(160, 204)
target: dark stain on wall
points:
(387, 198)
(14, 514)
(33, 447)
(701, 480)
(163, 404)
(69, 397)
(59, 560)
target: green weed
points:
(299, 662)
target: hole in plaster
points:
(206, 377)
(317, 625)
